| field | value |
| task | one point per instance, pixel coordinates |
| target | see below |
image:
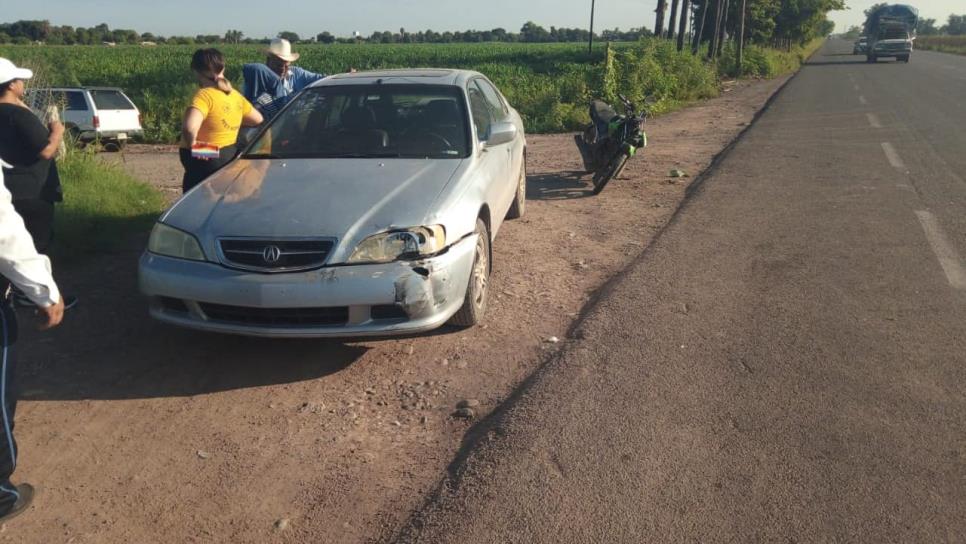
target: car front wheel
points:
(519, 206)
(474, 303)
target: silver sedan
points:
(366, 208)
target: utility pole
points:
(590, 46)
(659, 23)
(672, 22)
(685, 15)
(741, 41)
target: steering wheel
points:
(438, 138)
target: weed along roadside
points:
(103, 206)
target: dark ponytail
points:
(209, 63)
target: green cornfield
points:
(549, 84)
(943, 44)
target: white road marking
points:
(894, 159)
(862, 100)
(874, 120)
(945, 252)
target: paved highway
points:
(786, 363)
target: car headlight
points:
(171, 242)
(411, 243)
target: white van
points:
(90, 114)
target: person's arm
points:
(53, 141)
(191, 125)
(252, 117)
(249, 88)
(36, 138)
(193, 117)
(302, 78)
(23, 266)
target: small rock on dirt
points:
(465, 413)
(553, 340)
(468, 403)
(203, 454)
(677, 173)
(282, 524)
(461, 365)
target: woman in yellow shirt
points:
(212, 121)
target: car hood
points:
(347, 199)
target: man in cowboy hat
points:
(269, 86)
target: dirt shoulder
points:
(142, 433)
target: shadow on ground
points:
(109, 348)
(559, 186)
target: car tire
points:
(519, 205)
(477, 290)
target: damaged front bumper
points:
(339, 301)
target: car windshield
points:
(369, 121)
(110, 100)
(893, 33)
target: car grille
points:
(277, 317)
(275, 255)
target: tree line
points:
(26, 32)
(776, 23)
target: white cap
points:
(282, 49)
(10, 72)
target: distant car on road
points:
(90, 114)
(367, 207)
(861, 46)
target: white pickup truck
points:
(90, 114)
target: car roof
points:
(410, 76)
(68, 88)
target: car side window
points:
(480, 109)
(497, 108)
(75, 101)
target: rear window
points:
(111, 100)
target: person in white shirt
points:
(29, 271)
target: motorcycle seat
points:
(602, 114)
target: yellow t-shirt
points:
(223, 114)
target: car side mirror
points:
(501, 133)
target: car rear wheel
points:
(519, 206)
(474, 303)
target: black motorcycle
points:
(610, 140)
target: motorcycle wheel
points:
(602, 178)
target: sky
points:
(310, 17)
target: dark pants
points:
(38, 217)
(197, 170)
(8, 402)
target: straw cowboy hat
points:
(282, 49)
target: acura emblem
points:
(271, 254)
